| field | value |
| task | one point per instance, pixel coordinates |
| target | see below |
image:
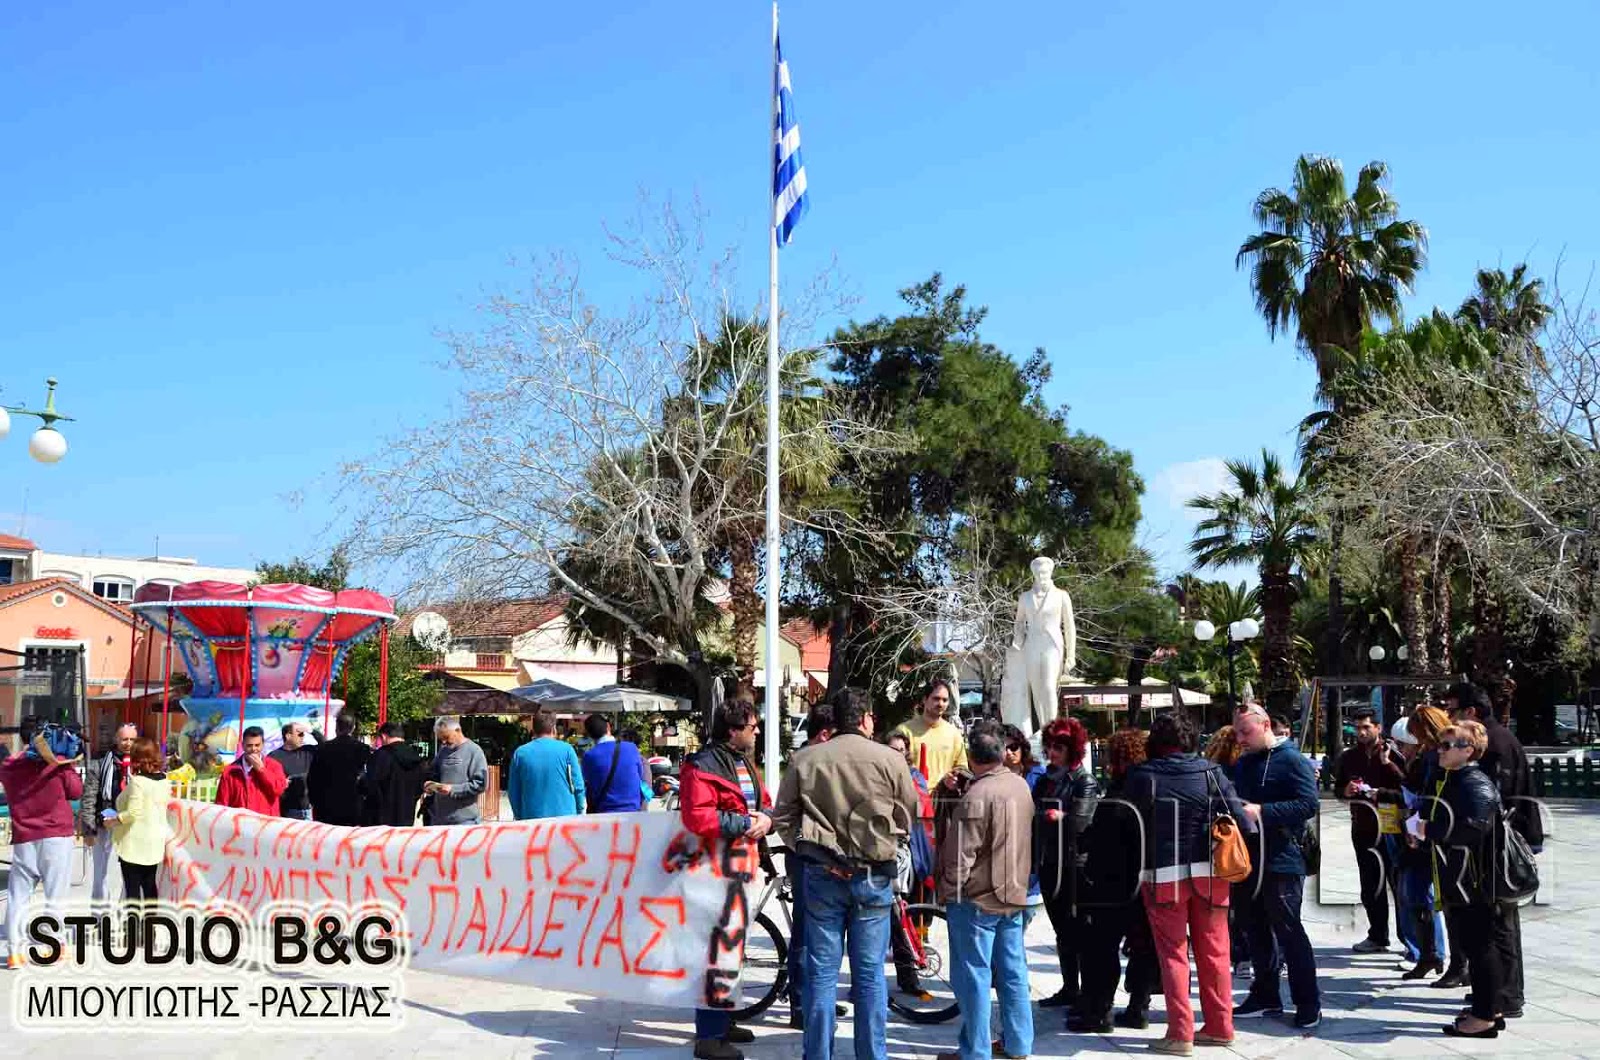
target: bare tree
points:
(973, 612)
(604, 454)
(970, 615)
(1501, 466)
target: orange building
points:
(44, 625)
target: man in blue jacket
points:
(1279, 790)
(546, 779)
(610, 770)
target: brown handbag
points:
(1230, 857)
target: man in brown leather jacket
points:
(983, 867)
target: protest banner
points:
(629, 906)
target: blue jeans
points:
(1416, 906)
(1278, 938)
(986, 949)
(860, 904)
(711, 1023)
(299, 815)
(797, 932)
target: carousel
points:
(258, 655)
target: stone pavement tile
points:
(1412, 1043)
(1572, 1035)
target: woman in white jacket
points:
(140, 830)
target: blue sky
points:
(235, 234)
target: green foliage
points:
(410, 696)
(1202, 664)
(986, 451)
(1329, 260)
(1264, 519)
(333, 574)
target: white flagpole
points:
(773, 718)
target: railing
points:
(489, 799)
(200, 789)
(494, 661)
(1565, 778)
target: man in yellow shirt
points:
(936, 745)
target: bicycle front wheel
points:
(766, 968)
(934, 1000)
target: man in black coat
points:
(334, 781)
(1366, 771)
(295, 757)
(1506, 764)
(393, 781)
(1279, 790)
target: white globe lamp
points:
(1204, 630)
(47, 445)
(1376, 653)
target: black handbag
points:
(1311, 848)
(1516, 868)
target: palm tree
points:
(723, 367)
(1512, 305)
(1265, 519)
(1330, 261)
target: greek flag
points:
(788, 172)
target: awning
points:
(543, 691)
(579, 676)
(462, 697)
(618, 699)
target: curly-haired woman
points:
(1065, 798)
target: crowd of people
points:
(1127, 865)
(122, 797)
(1138, 863)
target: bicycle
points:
(766, 955)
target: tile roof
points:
(10, 594)
(813, 643)
(10, 543)
(500, 618)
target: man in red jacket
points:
(253, 781)
(720, 797)
(39, 790)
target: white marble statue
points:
(1044, 645)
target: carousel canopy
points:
(265, 641)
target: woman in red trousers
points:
(1178, 793)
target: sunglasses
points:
(1459, 745)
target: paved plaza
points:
(1368, 1012)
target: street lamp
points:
(1376, 653)
(1238, 632)
(47, 444)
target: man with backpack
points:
(611, 770)
(1279, 791)
(39, 787)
